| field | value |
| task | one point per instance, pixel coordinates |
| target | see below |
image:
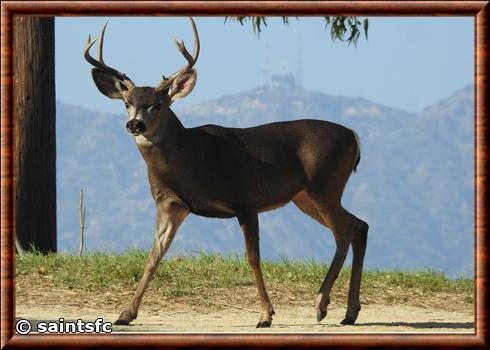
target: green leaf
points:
(343, 28)
(366, 25)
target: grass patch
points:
(211, 279)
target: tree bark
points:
(35, 137)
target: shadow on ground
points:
(314, 327)
(418, 325)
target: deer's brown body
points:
(230, 172)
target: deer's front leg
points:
(170, 215)
(250, 228)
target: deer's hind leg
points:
(305, 204)
(324, 214)
(359, 242)
(346, 229)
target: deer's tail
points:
(358, 156)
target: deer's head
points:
(146, 106)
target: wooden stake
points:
(82, 222)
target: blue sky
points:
(407, 62)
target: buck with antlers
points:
(222, 172)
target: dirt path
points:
(373, 318)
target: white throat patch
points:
(143, 141)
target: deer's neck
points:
(163, 145)
(170, 131)
(163, 154)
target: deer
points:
(222, 172)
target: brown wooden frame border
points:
(478, 9)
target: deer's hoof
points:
(348, 321)
(124, 319)
(264, 324)
(320, 315)
(120, 322)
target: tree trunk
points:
(35, 137)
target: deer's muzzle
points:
(135, 127)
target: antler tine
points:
(197, 44)
(185, 53)
(191, 60)
(100, 62)
(101, 43)
(88, 46)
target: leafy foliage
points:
(343, 28)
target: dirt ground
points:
(38, 299)
(372, 318)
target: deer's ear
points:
(183, 85)
(108, 84)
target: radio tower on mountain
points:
(299, 62)
(266, 69)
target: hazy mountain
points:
(414, 184)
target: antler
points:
(100, 62)
(191, 60)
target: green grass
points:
(204, 273)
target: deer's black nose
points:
(135, 126)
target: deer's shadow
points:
(423, 325)
(414, 325)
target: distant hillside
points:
(281, 99)
(414, 184)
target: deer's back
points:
(307, 144)
(290, 156)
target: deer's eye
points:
(155, 107)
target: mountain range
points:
(414, 185)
